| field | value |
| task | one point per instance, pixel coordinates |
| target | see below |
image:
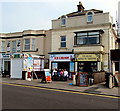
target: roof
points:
(78, 13)
(81, 11)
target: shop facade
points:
(89, 34)
(23, 63)
(115, 58)
(5, 64)
(88, 62)
(62, 61)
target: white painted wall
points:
(16, 68)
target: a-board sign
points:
(47, 75)
(82, 79)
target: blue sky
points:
(37, 14)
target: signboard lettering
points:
(87, 57)
(61, 57)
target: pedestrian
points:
(29, 74)
(61, 75)
(54, 74)
(65, 75)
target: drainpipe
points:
(109, 60)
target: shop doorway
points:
(63, 65)
(87, 67)
(117, 65)
(6, 68)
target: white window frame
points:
(18, 45)
(63, 21)
(26, 45)
(90, 15)
(61, 41)
(13, 46)
(3, 46)
(33, 44)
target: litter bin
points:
(107, 76)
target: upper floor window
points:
(13, 46)
(8, 46)
(18, 45)
(27, 44)
(63, 41)
(3, 46)
(63, 20)
(85, 38)
(89, 17)
(33, 44)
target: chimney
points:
(80, 7)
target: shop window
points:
(27, 44)
(87, 66)
(63, 41)
(13, 46)
(84, 38)
(89, 17)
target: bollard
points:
(110, 81)
(74, 80)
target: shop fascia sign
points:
(5, 56)
(88, 57)
(33, 56)
(61, 57)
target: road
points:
(17, 97)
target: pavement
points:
(65, 85)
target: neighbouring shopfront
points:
(115, 58)
(1, 67)
(88, 62)
(5, 64)
(26, 62)
(62, 61)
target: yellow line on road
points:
(61, 90)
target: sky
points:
(19, 15)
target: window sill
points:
(29, 51)
(88, 45)
(89, 22)
(62, 48)
(63, 25)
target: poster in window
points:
(54, 65)
(30, 63)
(71, 66)
(36, 65)
(25, 64)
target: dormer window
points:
(90, 17)
(63, 20)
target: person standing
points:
(65, 75)
(54, 74)
(61, 75)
